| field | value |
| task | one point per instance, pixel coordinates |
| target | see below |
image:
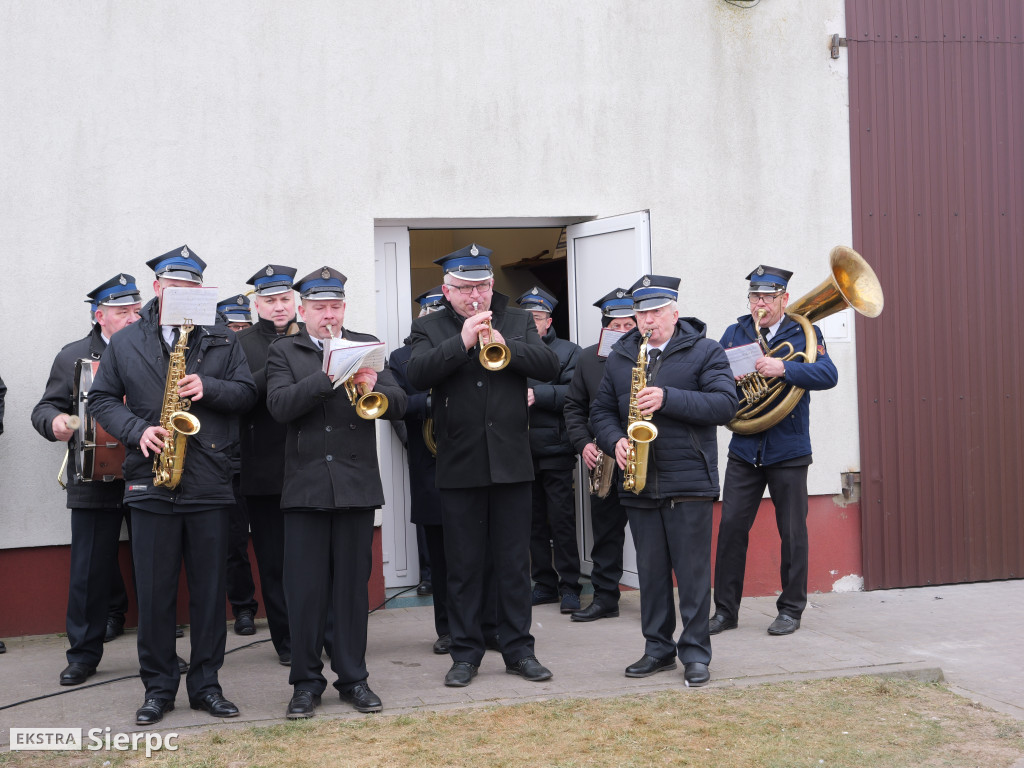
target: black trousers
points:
(488, 527)
(674, 538)
(267, 524)
(314, 542)
(241, 587)
(434, 536)
(554, 522)
(95, 586)
(608, 523)
(741, 497)
(160, 543)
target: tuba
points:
(640, 430)
(493, 354)
(851, 283)
(174, 417)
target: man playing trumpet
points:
(777, 458)
(331, 488)
(484, 465)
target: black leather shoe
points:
(284, 658)
(245, 622)
(179, 632)
(115, 628)
(570, 603)
(76, 673)
(719, 623)
(443, 644)
(784, 625)
(215, 704)
(425, 589)
(460, 674)
(649, 665)
(182, 665)
(302, 705)
(362, 698)
(3, 648)
(152, 711)
(695, 674)
(529, 669)
(596, 611)
(543, 597)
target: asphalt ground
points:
(968, 635)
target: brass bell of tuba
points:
(850, 283)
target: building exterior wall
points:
(262, 131)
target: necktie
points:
(652, 361)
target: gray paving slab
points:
(969, 634)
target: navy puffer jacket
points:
(700, 394)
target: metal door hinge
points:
(837, 43)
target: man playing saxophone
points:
(187, 521)
(776, 457)
(607, 515)
(687, 390)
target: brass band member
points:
(777, 458)
(607, 515)
(188, 523)
(684, 387)
(484, 468)
(262, 444)
(331, 488)
(96, 507)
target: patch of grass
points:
(839, 723)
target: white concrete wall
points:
(264, 131)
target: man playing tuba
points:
(683, 384)
(776, 457)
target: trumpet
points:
(493, 354)
(368, 404)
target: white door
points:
(394, 316)
(602, 254)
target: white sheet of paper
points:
(607, 340)
(198, 305)
(342, 358)
(742, 359)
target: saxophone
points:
(601, 475)
(174, 417)
(640, 430)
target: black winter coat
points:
(481, 420)
(700, 393)
(549, 441)
(128, 394)
(330, 453)
(58, 397)
(579, 398)
(423, 492)
(262, 437)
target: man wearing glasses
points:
(484, 464)
(777, 458)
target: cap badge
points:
(647, 281)
(240, 301)
(122, 280)
(760, 270)
(325, 273)
(184, 252)
(619, 294)
(534, 291)
(270, 271)
(474, 251)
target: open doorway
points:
(576, 259)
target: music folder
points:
(342, 358)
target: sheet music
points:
(607, 340)
(742, 359)
(197, 304)
(342, 358)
